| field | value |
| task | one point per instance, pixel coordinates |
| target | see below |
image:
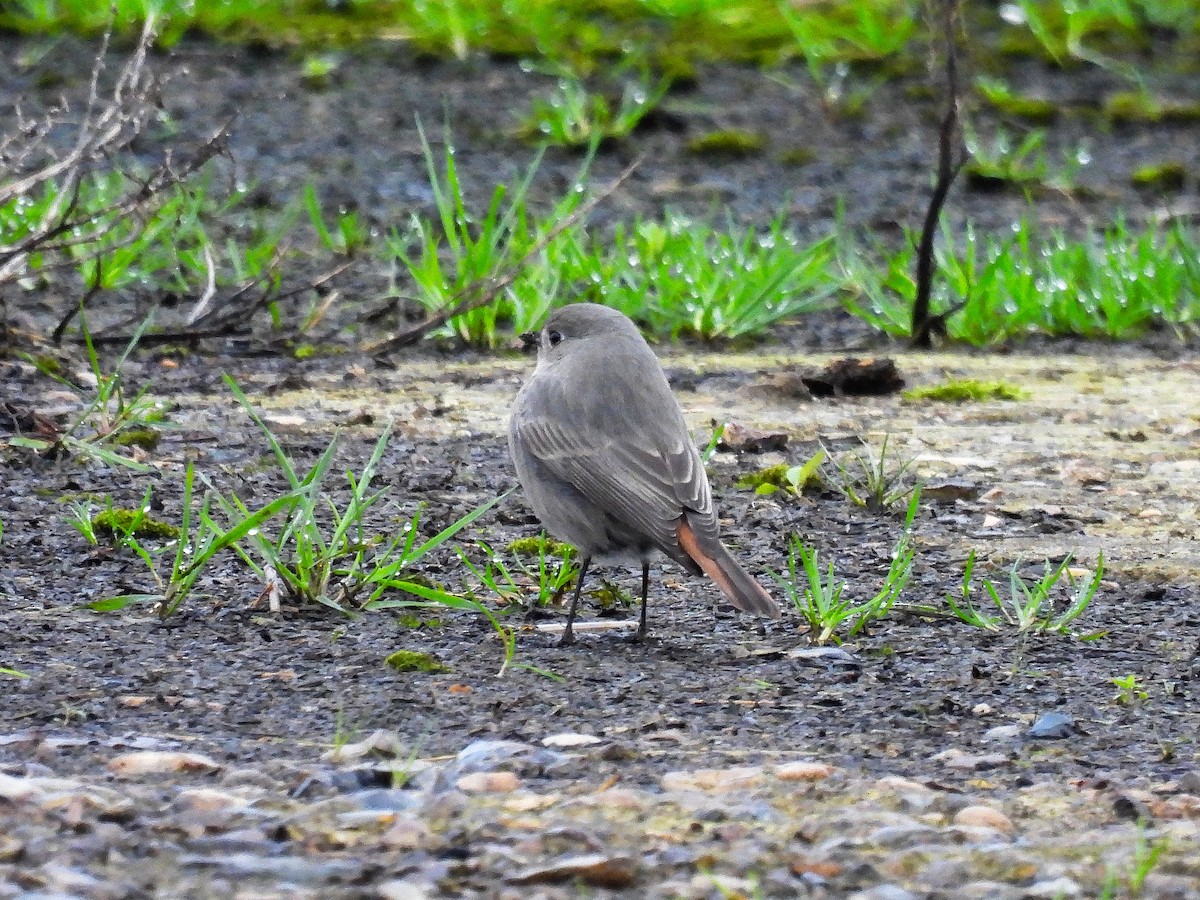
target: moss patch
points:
(966, 390)
(1021, 106)
(541, 545)
(134, 522)
(987, 176)
(1140, 107)
(772, 477)
(798, 156)
(146, 438)
(732, 143)
(414, 661)
(412, 620)
(1169, 176)
(785, 477)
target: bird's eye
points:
(553, 337)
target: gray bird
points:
(605, 458)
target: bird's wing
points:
(642, 471)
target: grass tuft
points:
(415, 661)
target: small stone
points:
(981, 709)
(978, 835)
(15, 790)
(898, 837)
(567, 740)
(884, 892)
(399, 889)
(804, 771)
(822, 869)
(1164, 886)
(823, 656)
(161, 762)
(380, 743)
(738, 438)
(1002, 733)
(960, 759)
(986, 816)
(11, 850)
(1131, 808)
(528, 801)
(1052, 726)
(1189, 782)
(948, 490)
(613, 798)
(596, 869)
(406, 834)
(64, 880)
(713, 780)
(207, 800)
(488, 783)
(899, 785)
(988, 890)
(1061, 888)
(726, 886)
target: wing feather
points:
(639, 467)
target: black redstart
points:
(604, 455)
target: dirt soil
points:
(919, 717)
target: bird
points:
(605, 458)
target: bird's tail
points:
(743, 591)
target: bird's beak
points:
(529, 341)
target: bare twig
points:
(69, 232)
(226, 318)
(951, 158)
(210, 289)
(481, 293)
(97, 280)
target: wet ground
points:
(1102, 458)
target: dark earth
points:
(710, 689)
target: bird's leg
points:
(568, 635)
(641, 632)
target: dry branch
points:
(951, 158)
(69, 232)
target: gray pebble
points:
(1052, 726)
(884, 892)
(1062, 888)
(903, 836)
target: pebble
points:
(960, 759)
(985, 816)
(402, 890)
(988, 890)
(209, 800)
(1002, 733)
(488, 783)
(1061, 888)
(804, 771)
(512, 821)
(596, 869)
(884, 892)
(1052, 726)
(713, 780)
(567, 741)
(1189, 782)
(899, 837)
(407, 834)
(161, 762)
